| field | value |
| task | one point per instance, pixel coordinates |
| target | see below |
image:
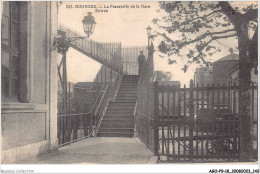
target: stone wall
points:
(29, 127)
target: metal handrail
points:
(106, 91)
(104, 52)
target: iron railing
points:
(144, 117)
(111, 54)
(201, 124)
(106, 53)
(130, 58)
(80, 115)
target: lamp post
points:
(150, 63)
(149, 29)
(62, 44)
(89, 24)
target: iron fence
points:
(130, 58)
(200, 123)
(81, 109)
(144, 116)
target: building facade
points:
(203, 76)
(29, 79)
(222, 67)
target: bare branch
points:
(214, 36)
(204, 17)
(208, 34)
(223, 37)
(164, 35)
(160, 26)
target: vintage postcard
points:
(129, 82)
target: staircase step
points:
(118, 107)
(120, 130)
(131, 76)
(127, 92)
(128, 87)
(126, 97)
(129, 82)
(113, 113)
(134, 93)
(116, 125)
(119, 119)
(116, 122)
(125, 100)
(122, 103)
(114, 134)
(123, 90)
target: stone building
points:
(29, 79)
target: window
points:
(10, 49)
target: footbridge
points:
(107, 106)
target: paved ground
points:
(99, 150)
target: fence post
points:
(191, 115)
(69, 111)
(156, 108)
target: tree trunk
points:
(245, 127)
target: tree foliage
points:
(195, 30)
(162, 76)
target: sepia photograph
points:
(129, 82)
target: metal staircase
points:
(114, 108)
(106, 53)
(119, 116)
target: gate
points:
(199, 124)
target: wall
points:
(31, 128)
(233, 77)
(39, 53)
(221, 71)
(203, 76)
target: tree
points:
(162, 76)
(201, 27)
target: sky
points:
(125, 25)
